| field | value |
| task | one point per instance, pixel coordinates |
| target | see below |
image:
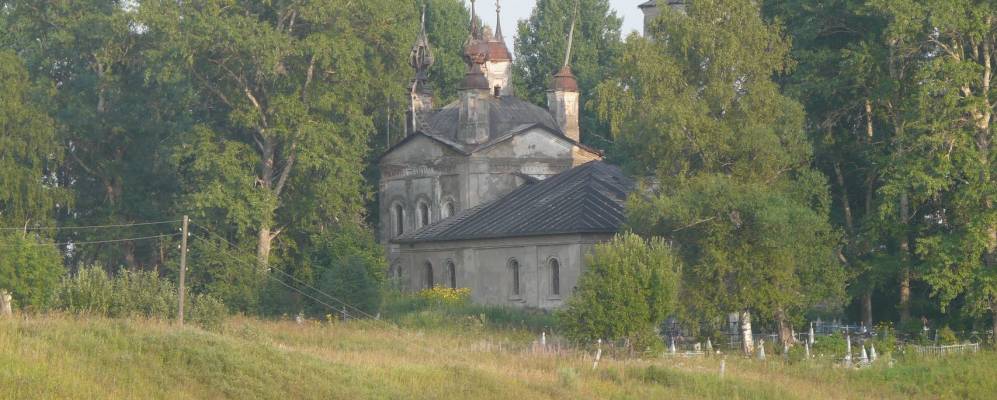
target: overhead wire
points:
(93, 241)
(65, 228)
(299, 281)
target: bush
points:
(946, 336)
(90, 291)
(143, 293)
(832, 346)
(207, 311)
(629, 287)
(446, 296)
(128, 294)
(30, 269)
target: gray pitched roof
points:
(586, 199)
(504, 114)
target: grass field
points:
(59, 356)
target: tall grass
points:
(69, 356)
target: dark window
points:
(423, 214)
(399, 220)
(497, 90)
(429, 275)
(453, 274)
(555, 277)
(450, 209)
(514, 268)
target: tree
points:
(627, 291)
(540, 50)
(30, 268)
(949, 158)
(30, 265)
(29, 151)
(854, 84)
(695, 104)
(114, 109)
(284, 86)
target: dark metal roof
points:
(586, 199)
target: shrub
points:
(446, 296)
(207, 311)
(946, 336)
(352, 283)
(129, 293)
(143, 293)
(832, 346)
(30, 269)
(90, 291)
(629, 287)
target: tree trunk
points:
(993, 314)
(747, 341)
(867, 308)
(845, 203)
(905, 259)
(263, 247)
(786, 338)
(6, 303)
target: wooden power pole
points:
(183, 266)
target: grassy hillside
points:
(66, 357)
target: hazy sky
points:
(515, 10)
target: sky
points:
(515, 10)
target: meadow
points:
(65, 356)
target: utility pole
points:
(183, 266)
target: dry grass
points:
(59, 356)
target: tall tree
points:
(695, 104)
(112, 112)
(29, 151)
(540, 51)
(854, 86)
(949, 158)
(29, 196)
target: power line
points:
(344, 304)
(95, 241)
(64, 228)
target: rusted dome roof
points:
(564, 80)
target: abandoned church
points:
(491, 192)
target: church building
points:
(492, 192)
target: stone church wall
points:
(484, 266)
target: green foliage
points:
(832, 346)
(29, 151)
(627, 290)
(350, 281)
(414, 311)
(446, 296)
(946, 336)
(540, 49)
(207, 311)
(127, 294)
(89, 292)
(30, 268)
(694, 103)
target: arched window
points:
(452, 270)
(429, 275)
(448, 209)
(423, 214)
(514, 269)
(555, 277)
(399, 220)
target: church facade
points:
(491, 192)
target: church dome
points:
(497, 51)
(564, 80)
